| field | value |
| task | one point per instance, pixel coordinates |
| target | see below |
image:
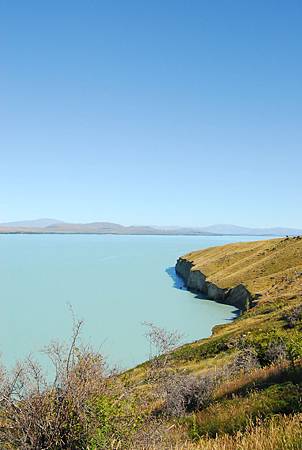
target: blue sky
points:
(151, 112)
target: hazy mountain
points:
(114, 228)
(235, 229)
(57, 226)
(38, 223)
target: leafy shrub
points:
(118, 420)
(294, 347)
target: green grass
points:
(232, 415)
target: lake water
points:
(114, 283)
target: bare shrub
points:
(39, 414)
(162, 343)
(276, 352)
(244, 361)
(293, 317)
(180, 393)
(187, 393)
(83, 406)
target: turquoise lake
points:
(114, 283)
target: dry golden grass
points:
(270, 269)
(258, 265)
(260, 377)
(280, 433)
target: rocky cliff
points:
(243, 273)
(195, 280)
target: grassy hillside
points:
(259, 265)
(272, 272)
(257, 356)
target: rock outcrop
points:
(196, 281)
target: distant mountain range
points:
(38, 223)
(53, 226)
(235, 229)
(59, 227)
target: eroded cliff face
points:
(196, 281)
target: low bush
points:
(276, 352)
(187, 393)
(244, 361)
(205, 349)
(293, 317)
(118, 420)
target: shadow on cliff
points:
(178, 283)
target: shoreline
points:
(160, 233)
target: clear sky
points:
(151, 112)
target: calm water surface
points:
(113, 282)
